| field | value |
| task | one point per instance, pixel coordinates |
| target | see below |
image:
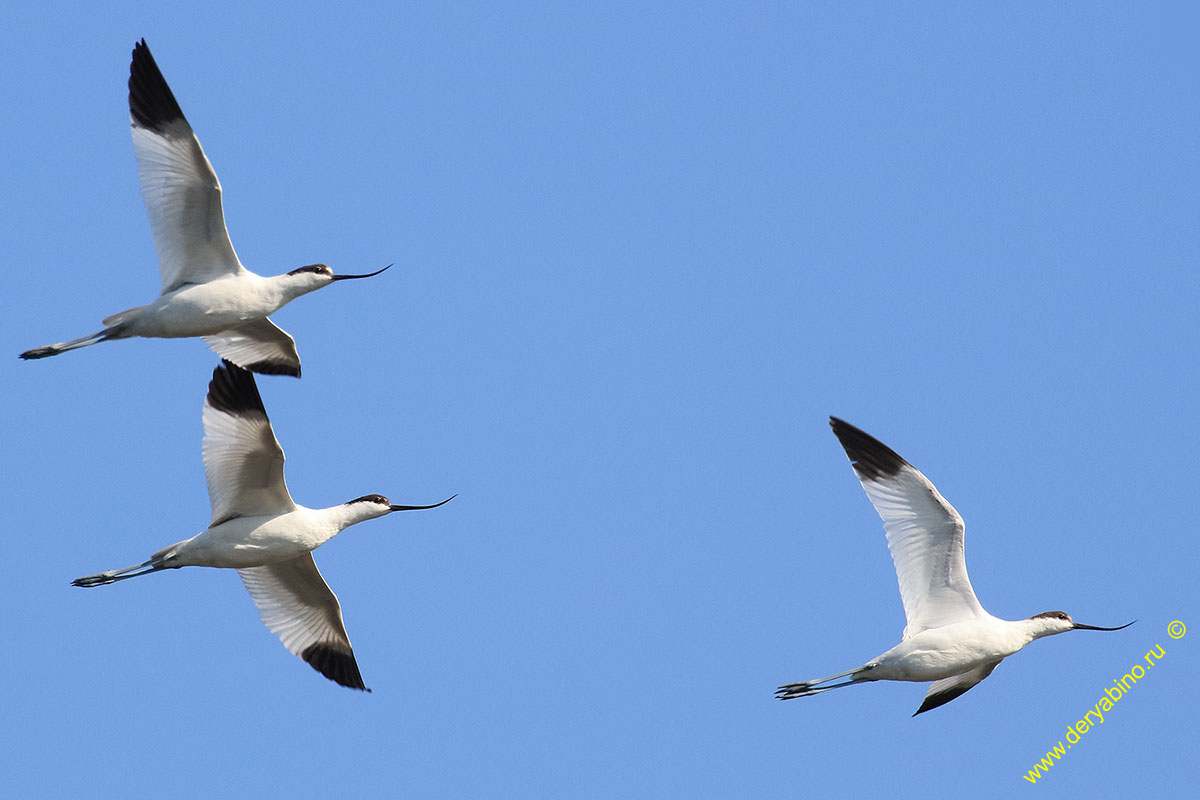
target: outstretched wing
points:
(259, 346)
(924, 533)
(243, 461)
(945, 690)
(181, 190)
(298, 606)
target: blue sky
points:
(641, 254)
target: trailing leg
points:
(790, 691)
(114, 575)
(74, 344)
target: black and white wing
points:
(945, 690)
(181, 190)
(298, 606)
(924, 533)
(243, 461)
(259, 346)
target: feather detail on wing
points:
(243, 462)
(298, 606)
(259, 346)
(181, 190)
(924, 533)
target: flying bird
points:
(261, 532)
(206, 291)
(949, 638)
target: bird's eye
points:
(318, 269)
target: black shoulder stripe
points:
(233, 391)
(872, 459)
(335, 663)
(150, 99)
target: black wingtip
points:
(232, 390)
(151, 101)
(274, 368)
(335, 663)
(872, 459)
(941, 699)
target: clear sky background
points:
(642, 252)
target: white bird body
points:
(260, 540)
(938, 653)
(257, 529)
(206, 309)
(949, 638)
(206, 291)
